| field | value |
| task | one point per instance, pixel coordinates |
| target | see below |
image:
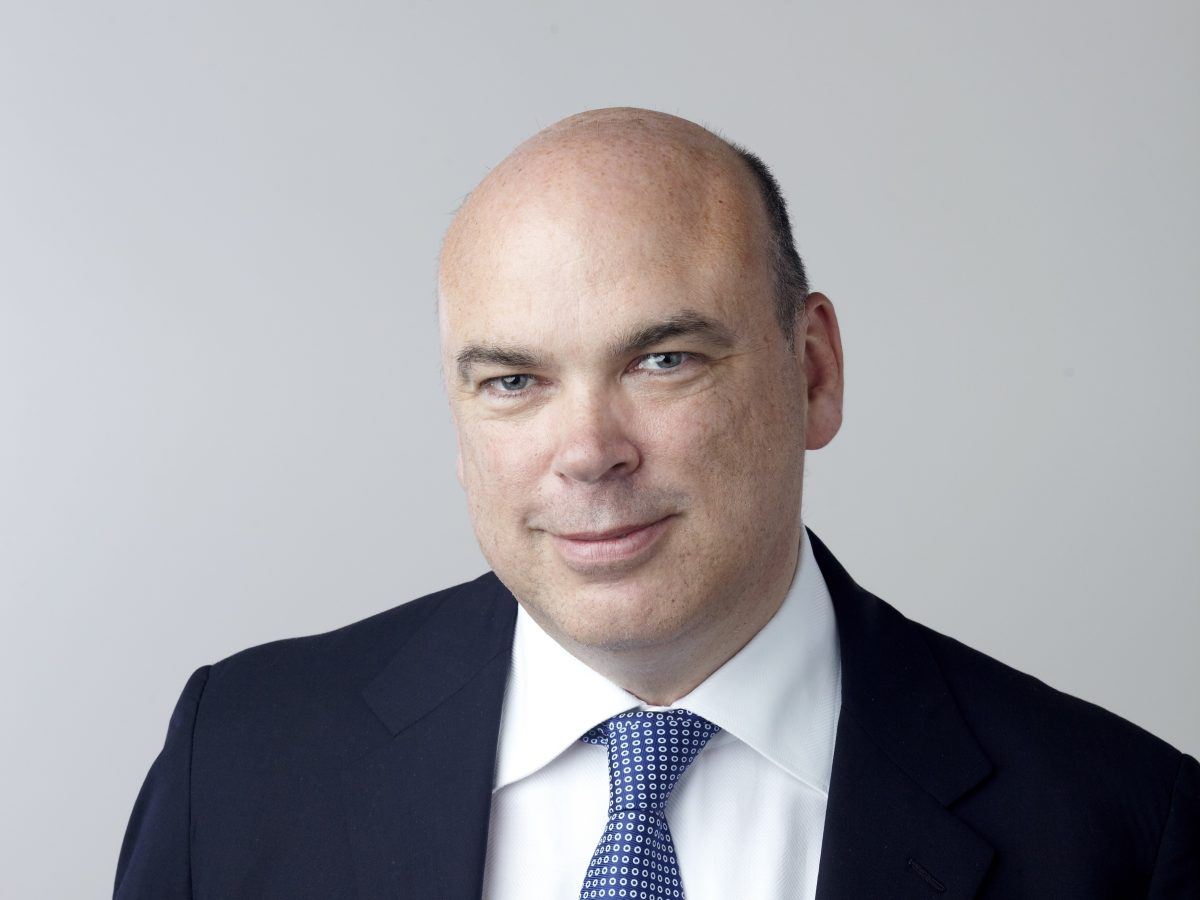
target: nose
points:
(593, 440)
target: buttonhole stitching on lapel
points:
(927, 875)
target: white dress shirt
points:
(748, 814)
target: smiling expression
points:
(613, 361)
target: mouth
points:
(619, 531)
(592, 551)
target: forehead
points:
(576, 257)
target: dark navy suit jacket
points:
(359, 764)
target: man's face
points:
(574, 418)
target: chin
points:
(617, 607)
(618, 616)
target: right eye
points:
(506, 384)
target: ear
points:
(823, 370)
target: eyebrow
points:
(686, 323)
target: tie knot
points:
(648, 751)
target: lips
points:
(619, 531)
(598, 552)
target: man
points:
(667, 686)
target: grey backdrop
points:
(221, 419)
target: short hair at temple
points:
(791, 282)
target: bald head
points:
(617, 179)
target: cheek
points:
(703, 434)
(499, 466)
(738, 447)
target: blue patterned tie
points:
(647, 753)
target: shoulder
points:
(1037, 737)
(998, 699)
(1072, 773)
(1049, 743)
(303, 674)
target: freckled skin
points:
(604, 221)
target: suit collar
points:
(418, 805)
(903, 755)
(471, 625)
(892, 685)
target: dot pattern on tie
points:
(648, 751)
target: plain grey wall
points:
(221, 419)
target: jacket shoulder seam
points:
(206, 670)
(1162, 834)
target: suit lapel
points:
(418, 805)
(902, 756)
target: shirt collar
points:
(780, 694)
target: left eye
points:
(664, 361)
